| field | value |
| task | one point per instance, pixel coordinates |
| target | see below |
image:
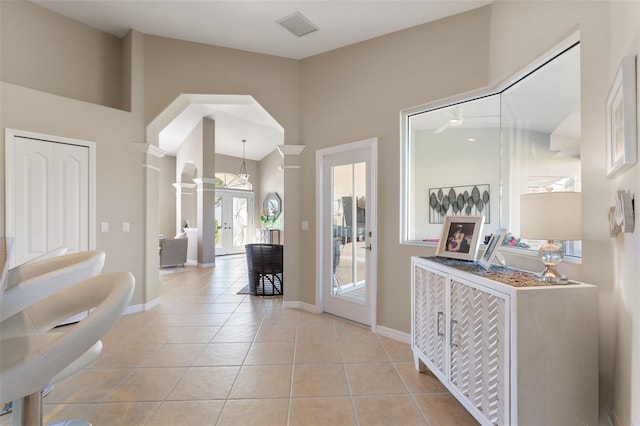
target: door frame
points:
(322, 256)
(10, 140)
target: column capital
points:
(150, 149)
(290, 149)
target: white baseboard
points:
(207, 265)
(134, 309)
(301, 305)
(391, 333)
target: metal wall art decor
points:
(459, 201)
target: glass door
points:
(347, 231)
(233, 221)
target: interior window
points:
(476, 157)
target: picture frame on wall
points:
(460, 237)
(491, 252)
(621, 123)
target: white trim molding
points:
(290, 149)
(393, 334)
(204, 181)
(150, 149)
(301, 305)
(142, 307)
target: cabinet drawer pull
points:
(440, 316)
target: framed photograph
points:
(621, 119)
(491, 251)
(460, 237)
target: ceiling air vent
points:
(297, 24)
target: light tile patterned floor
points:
(207, 356)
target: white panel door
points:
(50, 185)
(72, 192)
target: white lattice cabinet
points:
(511, 355)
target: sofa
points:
(173, 251)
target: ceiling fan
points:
(456, 118)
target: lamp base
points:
(551, 254)
(552, 276)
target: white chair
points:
(29, 362)
(37, 279)
(48, 255)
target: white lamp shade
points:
(551, 216)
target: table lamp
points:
(551, 216)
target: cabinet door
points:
(478, 353)
(430, 321)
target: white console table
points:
(512, 350)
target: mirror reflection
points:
(272, 206)
(477, 157)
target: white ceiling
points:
(236, 118)
(251, 26)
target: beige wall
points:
(119, 173)
(271, 180)
(608, 31)
(338, 97)
(173, 67)
(73, 59)
(357, 92)
(624, 300)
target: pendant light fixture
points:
(243, 175)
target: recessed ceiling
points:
(236, 117)
(252, 25)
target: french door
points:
(347, 230)
(50, 182)
(234, 221)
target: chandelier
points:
(243, 175)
